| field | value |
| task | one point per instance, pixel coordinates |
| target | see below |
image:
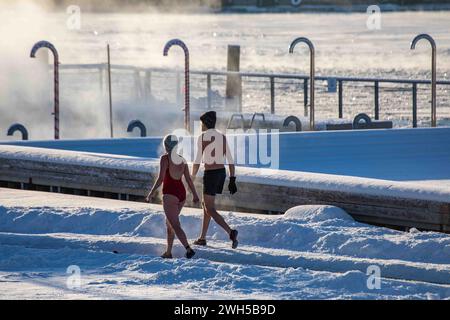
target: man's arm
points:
(232, 184)
(198, 157)
(230, 159)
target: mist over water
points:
(343, 44)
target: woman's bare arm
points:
(163, 165)
(191, 186)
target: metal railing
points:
(271, 77)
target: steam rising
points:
(343, 44)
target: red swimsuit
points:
(174, 187)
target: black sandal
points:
(233, 238)
(200, 242)
(166, 256)
(189, 253)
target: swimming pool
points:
(421, 154)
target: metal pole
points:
(377, 101)
(178, 88)
(51, 47)
(305, 97)
(272, 95)
(110, 94)
(208, 90)
(311, 76)
(414, 100)
(187, 120)
(433, 73)
(341, 99)
(148, 85)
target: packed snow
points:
(311, 252)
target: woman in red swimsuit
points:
(172, 169)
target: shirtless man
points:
(213, 149)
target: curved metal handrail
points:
(260, 115)
(433, 72)
(295, 120)
(178, 42)
(357, 121)
(18, 127)
(137, 124)
(312, 74)
(237, 115)
(51, 47)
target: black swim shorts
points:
(213, 181)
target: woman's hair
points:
(170, 142)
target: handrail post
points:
(208, 90)
(187, 113)
(51, 47)
(340, 99)
(111, 116)
(272, 95)
(414, 102)
(377, 100)
(312, 73)
(178, 88)
(305, 97)
(433, 73)
(148, 85)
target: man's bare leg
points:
(205, 223)
(209, 203)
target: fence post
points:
(138, 84)
(233, 90)
(272, 95)
(377, 101)
(305, 97)
(340, 99)
(414, 101)
(148, 85)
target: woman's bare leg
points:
(172, 208)
(209, 203)
(205, 223)
(170, 238)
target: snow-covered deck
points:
(416, 155)
(393, 203)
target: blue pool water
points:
(397, 154)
